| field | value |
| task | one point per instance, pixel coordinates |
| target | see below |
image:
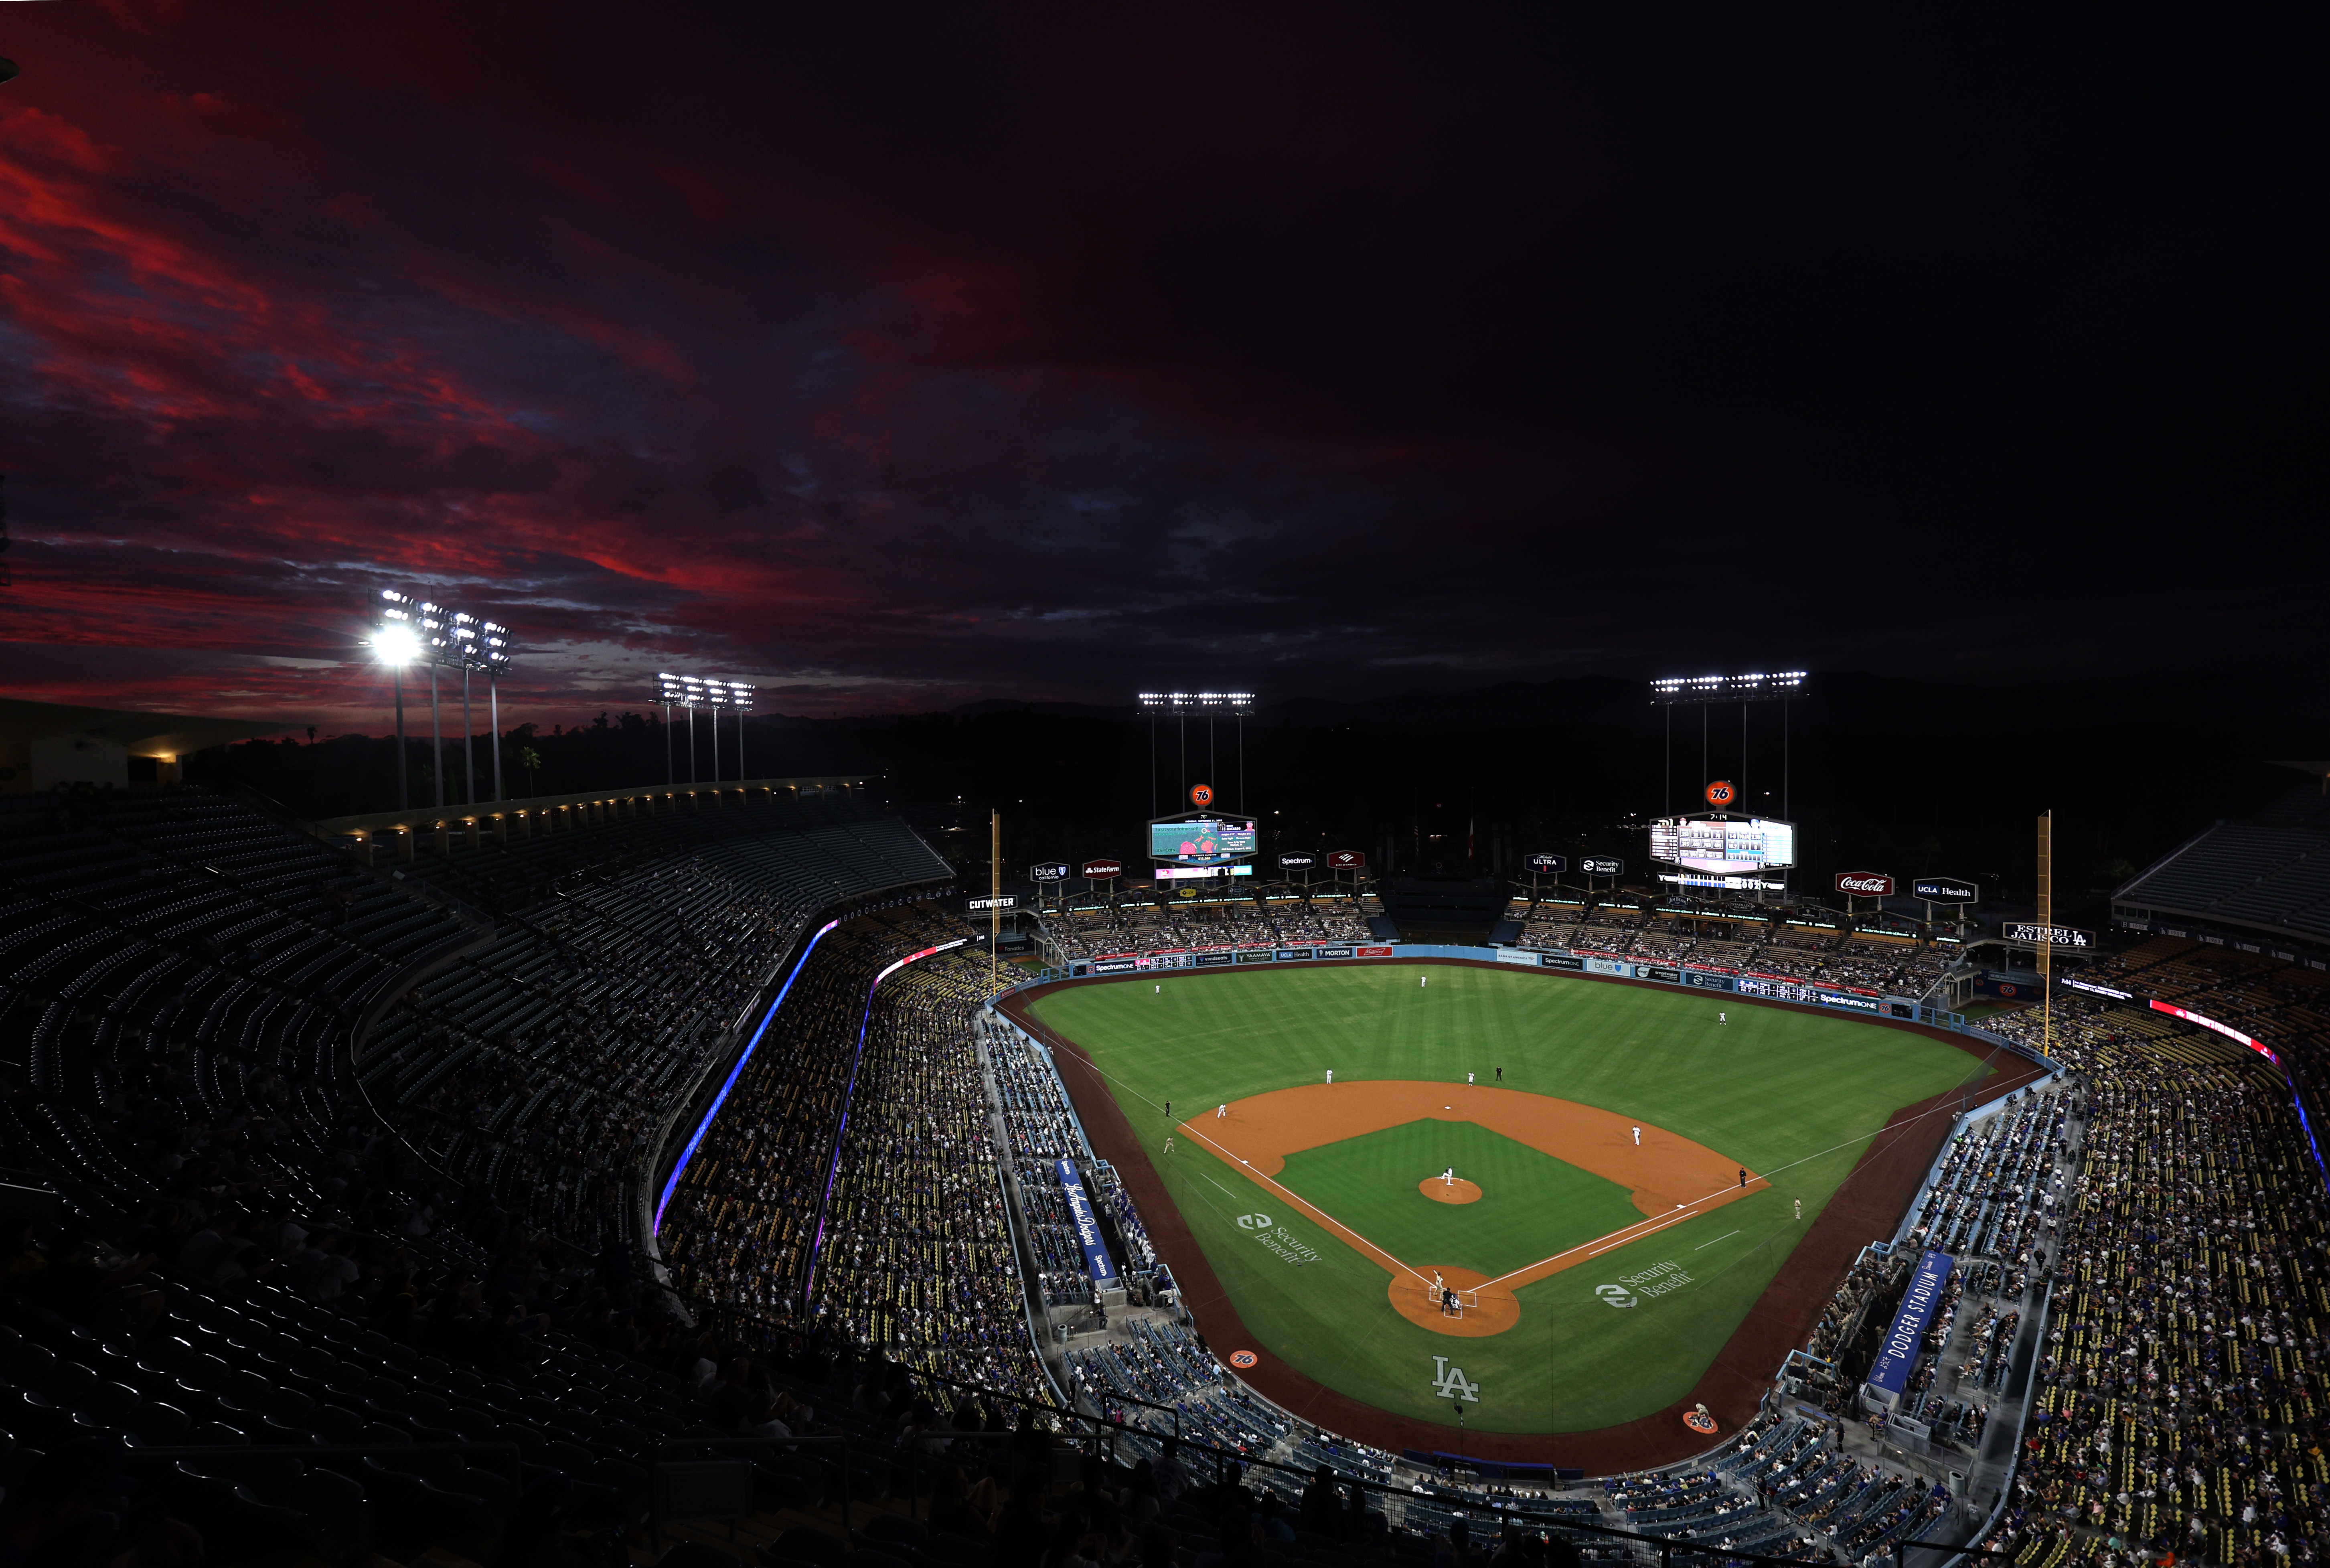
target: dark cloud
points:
(902, 357)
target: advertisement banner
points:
(1945, 889)
(1333, 952)
(1547, 865)
(1897, 1354)
(1205, 959)
(1661, 972)
(2227, 1030)
(1101, 870)
(1080, 1215)
(1005, 900)
(1346, 860)
(1255, 955)
(1610, 967)
(1048, 871)
(1561, 960)
(1114, 966)
(2061, 936)
(1864, 883)
(1297, 862)
(1706, 981)
(1602, 866)
(1374, 952)
(1516, 956)
(1285, 953)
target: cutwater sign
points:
(1899, 1352)
(1080, 1215)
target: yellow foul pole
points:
(994, 893)
(2047, 933)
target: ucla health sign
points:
(1080, 1215)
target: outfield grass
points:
(1790, 1094)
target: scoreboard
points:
(1723, 846)
(1202, 841)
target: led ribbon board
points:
(718, 1099)
(2227, 1030)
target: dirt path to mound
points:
(1671, 1177)
(1866, 1208)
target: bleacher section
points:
(2270, 874)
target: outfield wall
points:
(1748, 984)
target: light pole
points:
(394, 645)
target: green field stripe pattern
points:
(1791, 1094)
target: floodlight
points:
(395, 644)
(1750, 688)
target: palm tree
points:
(529, 758)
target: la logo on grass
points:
(1449, 1382)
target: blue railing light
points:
(706, 1125)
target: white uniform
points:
(1448, 1177)
(1221, 1110)
(1723, 1017)
(1468, 1078)
(1331, 1075)
(1638, 1138)
(1421, 978)
(1800, 1208)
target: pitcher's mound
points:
(1459, 1191)
(1496, 1309)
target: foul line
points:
(1724, 1237)
(1316, 1213)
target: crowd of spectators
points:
(1271, 917)
(1766, 944)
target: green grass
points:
(1792, 1095)
(1531, 1206)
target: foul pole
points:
(994, 894)
(2047, 933)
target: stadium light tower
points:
(1669, 692)
(691, 692)
(1181, 705)
(396, 644)
(455, 640)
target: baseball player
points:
(1638, 1138)
(1500, 1075)
(1448, 1177)
(1221, 1110)
(1420, 980)
(1168, 1146)
(1723, 1017)
(1468, 1078)
(1330, 1078)
(1800, 1208)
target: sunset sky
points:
(896, 357)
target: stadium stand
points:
(347, 1163)
(2270, 874)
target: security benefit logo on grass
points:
(1450, 1383)
(1290, 1247)
(1655, 1280)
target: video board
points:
(1723, 846)
(1202, 841)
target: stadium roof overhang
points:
(163, 735)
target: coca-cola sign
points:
(1101, 870)
(1346, 860)
(1864, 883)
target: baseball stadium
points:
(715, 1146)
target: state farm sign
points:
(1864, 883)
(1101, 870)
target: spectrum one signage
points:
(1864, 883)
(1297, 862)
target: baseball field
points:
(1607, 1175)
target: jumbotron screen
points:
(1210, 841)
(1723, 847)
